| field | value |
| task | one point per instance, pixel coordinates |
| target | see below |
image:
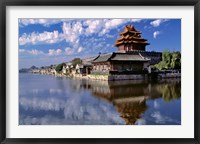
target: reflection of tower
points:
(149, 87)
(131, 108)
(129, 97)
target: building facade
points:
(131, 57)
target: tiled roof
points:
(131, 36)
(155, 57)
(152, 57)
(130, 29)
(128, 57)
(121, 57)
(88, 61)
(103, 57)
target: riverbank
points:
(119, 77)
(128, 77)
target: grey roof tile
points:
(103, 57)
(128, 57)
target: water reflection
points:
(129, 97)
(47, 100)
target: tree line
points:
(170, 60)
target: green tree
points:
(170, 60)
(176, 60)
(76, 61)
(33, 67)
(59, 67)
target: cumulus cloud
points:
(80, 49)
(94, 26)
(114, 23)
(32, 21)
(32, 52)
(43, 21)
(72, 32)
(157, 22)
(45, 37)
(101, 26)
(155, 34)
(53, 52)
(36, 52)
(110, 24)
(69, 51)
(22, 50)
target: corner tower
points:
(130, 40)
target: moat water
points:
(49, 100)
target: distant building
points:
(131, 57)
(86, 66)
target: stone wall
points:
(128, 77)
(116, 77)
(169, 75)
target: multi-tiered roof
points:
(130, 36)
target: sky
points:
(43, 42)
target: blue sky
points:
(43, 42)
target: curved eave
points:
(134, 60)
(133, 42)
(137, 32)
(131, 37)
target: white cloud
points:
(103, 26)
(22, 50)
(32, 52)
(135, 20)
(155, 34)
(72, 32)
(69, 51)
(157, 22)
(44, 21)
(111, 24)
(110, 36)
(32, 21)
(45, 37)
(94, 26)
(114, 23)
(53, 52)
(80, 49)
(35, 52)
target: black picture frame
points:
(5, 3)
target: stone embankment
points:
(126, 77)
(169, 75)
(118, 77)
